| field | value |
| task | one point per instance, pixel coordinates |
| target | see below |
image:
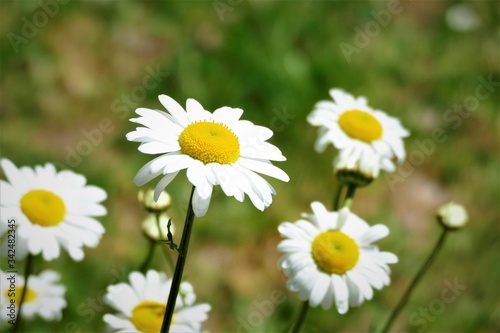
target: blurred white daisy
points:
(462, 17)
(215, 148)
(331, 259)
(141, 305)
(44, 297)
(51, 209)
(370, 137)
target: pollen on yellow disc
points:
(334, 252)
(29, 295)
(210, 142)
(43, 207)
(360, 125)
(147, 316)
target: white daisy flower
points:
(141, 305)
(372, 138)
(215, 149)
(330, 258)
(52, 210)
(44, 297)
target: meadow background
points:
(84, 70)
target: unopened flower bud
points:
(147, 199)
(156, 230)
(452, 215)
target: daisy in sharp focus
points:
(215, 149)
(367, 138)
(52, 209)
(44, 297)
(330, 259)
(141, 305)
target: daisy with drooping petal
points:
(331, 259)
(370, 137)
(353, 168)
(44, 297)
(52, 209)
(215, 149)
(141, 305)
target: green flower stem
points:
(301, 317)
(27, 273)
(149, 256)
(179, 267)
(336, 198)
(415, 281)
(349, 197)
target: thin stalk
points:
(301, 317)
(416, 279)
(179, 267)
(336, 198)
(27, 273)
(149, 256)
(349, 197)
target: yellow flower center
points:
(43, 207)
(210, 142)
(334, 252)
(360, 125)
(29, 295)
(147, 316)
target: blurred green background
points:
(85, 68)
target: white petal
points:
(265, 168)
(340, 293)
(292, 245)
(375, 233)
(196, 174)
(342, 217)
(163, 183)
(195, 111)
(227, 115)
(200, 205)
(158, 147)
(13, 175)
(116, 322)
(174, 109)
(144, 175)
(319, 290)
(322, 215)
(328, 299)
(93, 193)
(387, 257)
(361, 283)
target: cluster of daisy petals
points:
(214, 148)
(141, 305)
(43, 211)
(368, 140)
(328, 256)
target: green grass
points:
(266, 57)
